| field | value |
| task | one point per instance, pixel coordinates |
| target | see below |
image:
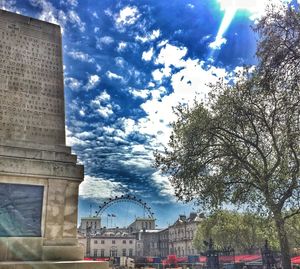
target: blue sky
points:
(126, 64)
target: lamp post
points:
(88, 241)
(267, 256)
(212, 255)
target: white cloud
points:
(71, 140)
(149, 37)
(126, 17)
(121, 46)
(218, 43)
(82, 112)
(147, 55)
(189, 82)
(100, 188)
(120, 62)
(71, 3)
(105, 111)
(93, 81)
(158, 74)
(139, 93)
(112, 75)
(105, 40)
(50, 14)
(163, 183)
(103, 97)
(162, 43)
(81, 56)
(9, 5)
(73, 83)
(102, 106)
(129, 125)
(75, 19)
(95, 15)
(190, 5)
(171, 55)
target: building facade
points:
(142, 224)
(182, 234)
(138, 241)
(90, 225)
(163, 242)
(110, 243)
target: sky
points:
(127, 63)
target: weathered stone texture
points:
(32, 142)
(31, 81)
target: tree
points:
(242, 147)
(245, 232)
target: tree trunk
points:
(283, 241)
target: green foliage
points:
(245, 232)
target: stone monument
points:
(39, 177)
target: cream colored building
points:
(111, 243)
(136, 240)
(142, 224)
(90, 225)
(182, 234)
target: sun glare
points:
(255, 8)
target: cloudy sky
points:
(127, 63)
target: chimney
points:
(182, 217)
(193, 215)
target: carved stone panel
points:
(20, 210)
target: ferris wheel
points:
(125, 199)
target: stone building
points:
(163, 242)
(136, 240)
(182, 234)
(142, 224)
(113, 242)
(150, 241)
(91, 225)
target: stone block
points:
(62, 253)
(23, 249)
(3, 248)
(55, 265)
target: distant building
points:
(155, 242)
(182, 234)
(142, 224)
(91, 225)
(140, 238)
(163, 242)
(150, 239)
(113, 242)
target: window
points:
(95, 252)
(130, 252)
(124, 241)
(113, 253)
(124, 252)
(95, 242)
(113, 241)
(102, 253)
(130, 241)
(102, 242)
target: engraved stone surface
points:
(31, 81)
(20, 210)
(39, 176)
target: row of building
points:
(140, 238)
